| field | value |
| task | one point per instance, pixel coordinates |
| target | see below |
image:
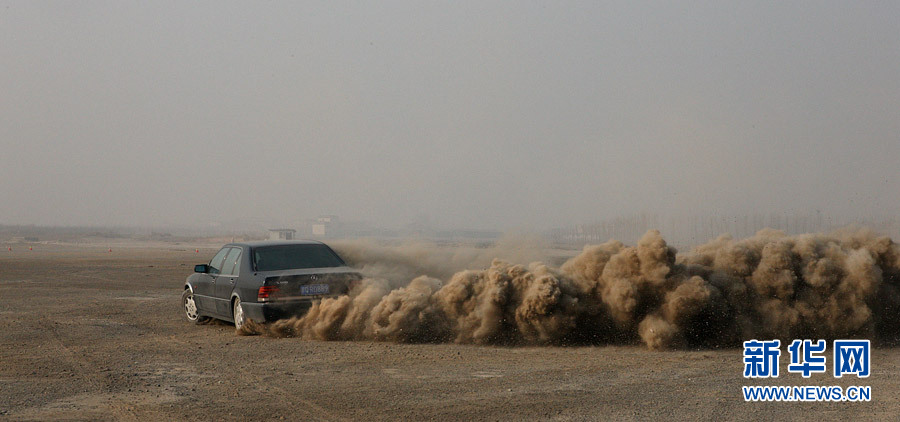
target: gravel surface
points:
(94, 335)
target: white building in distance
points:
(282, 234)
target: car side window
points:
(215, 265)
(231, 262)
(237, 262)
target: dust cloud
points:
(770, 285)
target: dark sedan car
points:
(265, 281)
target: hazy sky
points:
(466, 114)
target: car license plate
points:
(314, 289)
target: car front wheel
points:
(238, 313)
(191, 312)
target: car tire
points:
(189, 306)
(237, 312)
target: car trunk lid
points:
(311, 284)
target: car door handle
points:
(231, 281)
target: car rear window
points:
(289, 257)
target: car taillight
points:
(267, 293)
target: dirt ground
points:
(94, 335)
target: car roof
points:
(260, 243)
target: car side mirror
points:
(201, 268)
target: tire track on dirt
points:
(87, 370)
(313, 410)
(92, 277)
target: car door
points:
(224, 283)
(204, 287)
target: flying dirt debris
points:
(771, 285)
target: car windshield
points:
(289, 257)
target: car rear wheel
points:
(191, 312)
(238, 313)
